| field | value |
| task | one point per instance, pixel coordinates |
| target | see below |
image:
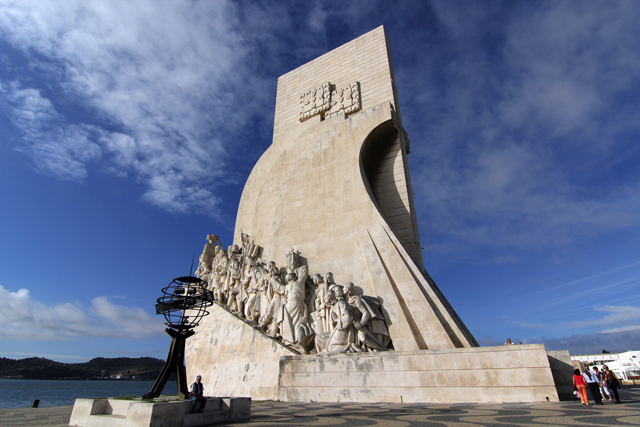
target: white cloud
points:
(514, 111)
(618, 315)
(167, 81)
(24, 318)
(317, 17)
(621, 329)
(55, 147)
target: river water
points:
(22, 393)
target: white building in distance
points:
(625, 365)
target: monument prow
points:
(336, 186)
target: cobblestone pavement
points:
(398, 415)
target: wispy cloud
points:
(618, 315)
(24, 318)
(55, 146)
(516, 111)
(166, 85)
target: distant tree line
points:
(37, 368)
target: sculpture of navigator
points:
(276, 300)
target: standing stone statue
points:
(235, 287)
(206, 259)
(322, 338)
(317, 308)
(273, 316)
(219, 276)
(295, 328)
(325, 303)
(256, 279)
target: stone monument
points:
(333, 194)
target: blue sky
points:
(128, 130)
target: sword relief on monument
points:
(330, 102)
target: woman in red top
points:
(578, 384)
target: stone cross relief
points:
(327, 101)
(311, 314)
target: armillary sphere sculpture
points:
(183, 305)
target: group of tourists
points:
(308, 312)
(601, 384)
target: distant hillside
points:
(36, 368)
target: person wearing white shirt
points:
(593, 384)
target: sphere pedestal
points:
(174, 364)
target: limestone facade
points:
(488, 374)
(335, 186)
(337, 189)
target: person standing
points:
(603, 385)
(197, 394)
(578, 384)
(593, 384)
(612, 382)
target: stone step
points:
(108, 412)
(105, 420)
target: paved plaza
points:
(397, 415)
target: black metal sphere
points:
(184, 302)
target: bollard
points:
(35, 403)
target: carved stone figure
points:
(322, 338)
(343, 336)
(277, 290)
(303, 312)
(295, 328)
(373, 333)
(314, 303)
(206, 259)
(265, 292)
(250, 248)
(219, 276)
(256, 279)
(320, 305)
(235, 288)
(327, 283)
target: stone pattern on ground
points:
(569, 413)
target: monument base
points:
(483, 374)
(127, 413)
(236, 359)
